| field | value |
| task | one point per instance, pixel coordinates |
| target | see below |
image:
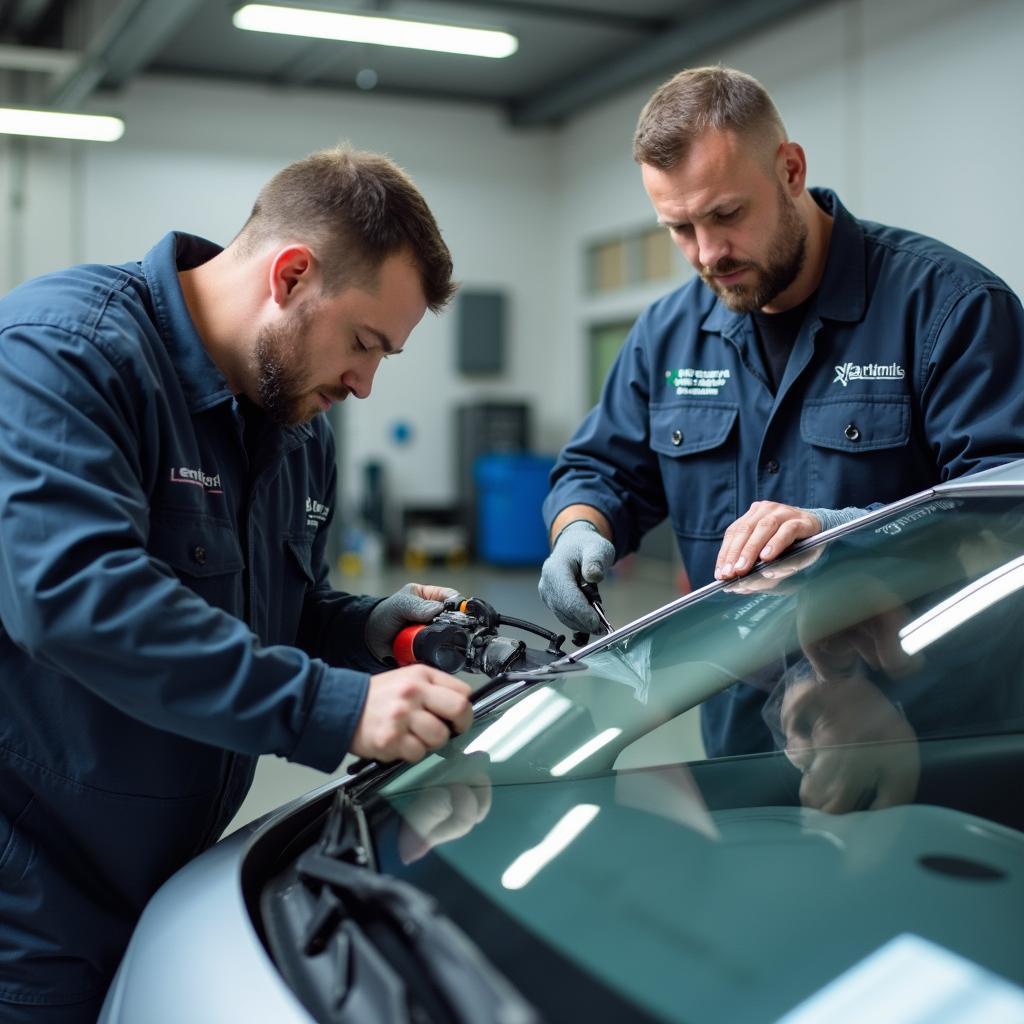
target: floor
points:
(636, 587)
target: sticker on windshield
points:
(630, 665)
(750, 613)
(900, 523)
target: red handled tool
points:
(441, 644)
(464, 637)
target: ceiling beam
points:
(27, 16)
(37, 58)
(325, 56)
(716, 26)
(124, 45)
(563, 12)
(321, 56)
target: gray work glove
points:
(580, 553)
(406, 607)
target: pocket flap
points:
(302, 549)
(859, 425)
(690, 428)
(196, 545)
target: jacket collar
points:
(203, 384)
(842, 291)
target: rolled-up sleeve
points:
(608, 463)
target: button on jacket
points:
(908, 370)
(165, 615)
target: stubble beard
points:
(783, 265)
(280, 372)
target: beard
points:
(784, 262)
(281, 378)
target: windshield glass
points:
(884, 668)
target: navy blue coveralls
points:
(908, 370)
(165, 615)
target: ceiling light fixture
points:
(52, 124)
(520, 724)
(360, 28)
(582, 753)
(962, 606)
(529, 862)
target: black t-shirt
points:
(776, 335)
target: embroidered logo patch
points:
(316, 513)
(197, 478)
(690, 381)
(867, 371)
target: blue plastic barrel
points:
(511, 488)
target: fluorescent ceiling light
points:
(529, 862)
(520, 724)
(963, 605)
(361, 28)
(591, 746)
(51, 124)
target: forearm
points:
(573, 512)
(832, 517)
(147, 645)
(333, 627)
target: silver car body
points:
(195, 955)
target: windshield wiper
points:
(355, 945)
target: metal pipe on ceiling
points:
(716, 27)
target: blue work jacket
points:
(165, 615)
(908, 370)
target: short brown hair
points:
(699, 99)
(354, 209)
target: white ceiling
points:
(571, 52)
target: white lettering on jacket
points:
(868, 371)
(691, 381)
(316, 513)
(184, 475)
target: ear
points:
(293, 270)
(791, 166)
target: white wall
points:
(195, 155)
(908, 109)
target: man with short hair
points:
(817, 365)
(168, 485)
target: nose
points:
(712, 247)
(359, 380)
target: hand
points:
(837, 650)
(410, 711)
(776, 577)
(853, 747)
(445, 811)
(414, 603)
(875, 642)
(580, 553)
(762, 533)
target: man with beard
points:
(168, 487)
(817, 365)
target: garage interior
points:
(910, 111)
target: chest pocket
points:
(204, 554)
(286, 595)
(696, 450)
(856, 448)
